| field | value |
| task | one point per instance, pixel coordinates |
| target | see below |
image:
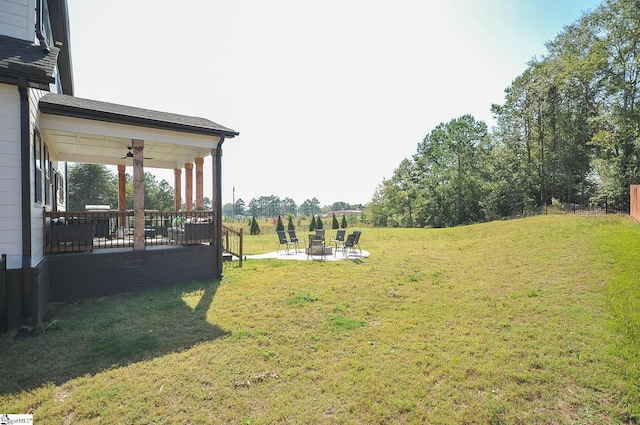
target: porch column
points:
(199, 185)
(177, 183)
(138, 195)
(188, 177)
(122, 195)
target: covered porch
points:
(87, 131)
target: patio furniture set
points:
(317, 244)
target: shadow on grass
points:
(88, 337)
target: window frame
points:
(37, 165)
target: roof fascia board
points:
(31, 74)
(12, 79)
(87, 114)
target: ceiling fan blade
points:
(130, 154)
(144, 157)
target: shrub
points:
(313, 225)
(290, 224)
(279, 225)
(334, 222)
(255, 228)
(319, 224)
(343, 224)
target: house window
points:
(47, 176)
(37, 157)
(60, 189)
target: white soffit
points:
(100, 142)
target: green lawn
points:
(534, 320)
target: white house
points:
(42, 127)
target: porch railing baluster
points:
(72, 231)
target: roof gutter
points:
(25, 155)
(218, 205)
(39, 34)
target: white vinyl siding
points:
(53, 199)
(17, 19)
(10, 182)
(10, 178)
(37, 234)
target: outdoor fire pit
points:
(317, 250)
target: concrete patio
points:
(300, 255)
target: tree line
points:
(273, 206)
(95, 184)
(568, 130)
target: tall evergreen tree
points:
(239, 207)
(449, 164)
(334, 222)
(312, 224)
(280, 225)
(255, 228)
(310, 207)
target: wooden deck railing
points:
(85, 231)
(232, 242)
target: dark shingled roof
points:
(60, 104)
(22, 58)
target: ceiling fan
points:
(130, 153)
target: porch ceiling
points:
(80, 130)
(78, 140)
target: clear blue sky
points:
(329, 96)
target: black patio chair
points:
(283, 240)
(352, 241)
(320, 232)
(356, 242)
(294, 239)
(339, 239)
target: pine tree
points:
(312, 225)
(334, 222)
(255, 229)
(290, 224)
(280, 225)
(343, 224)
(319, 224)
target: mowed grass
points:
(534, 320)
